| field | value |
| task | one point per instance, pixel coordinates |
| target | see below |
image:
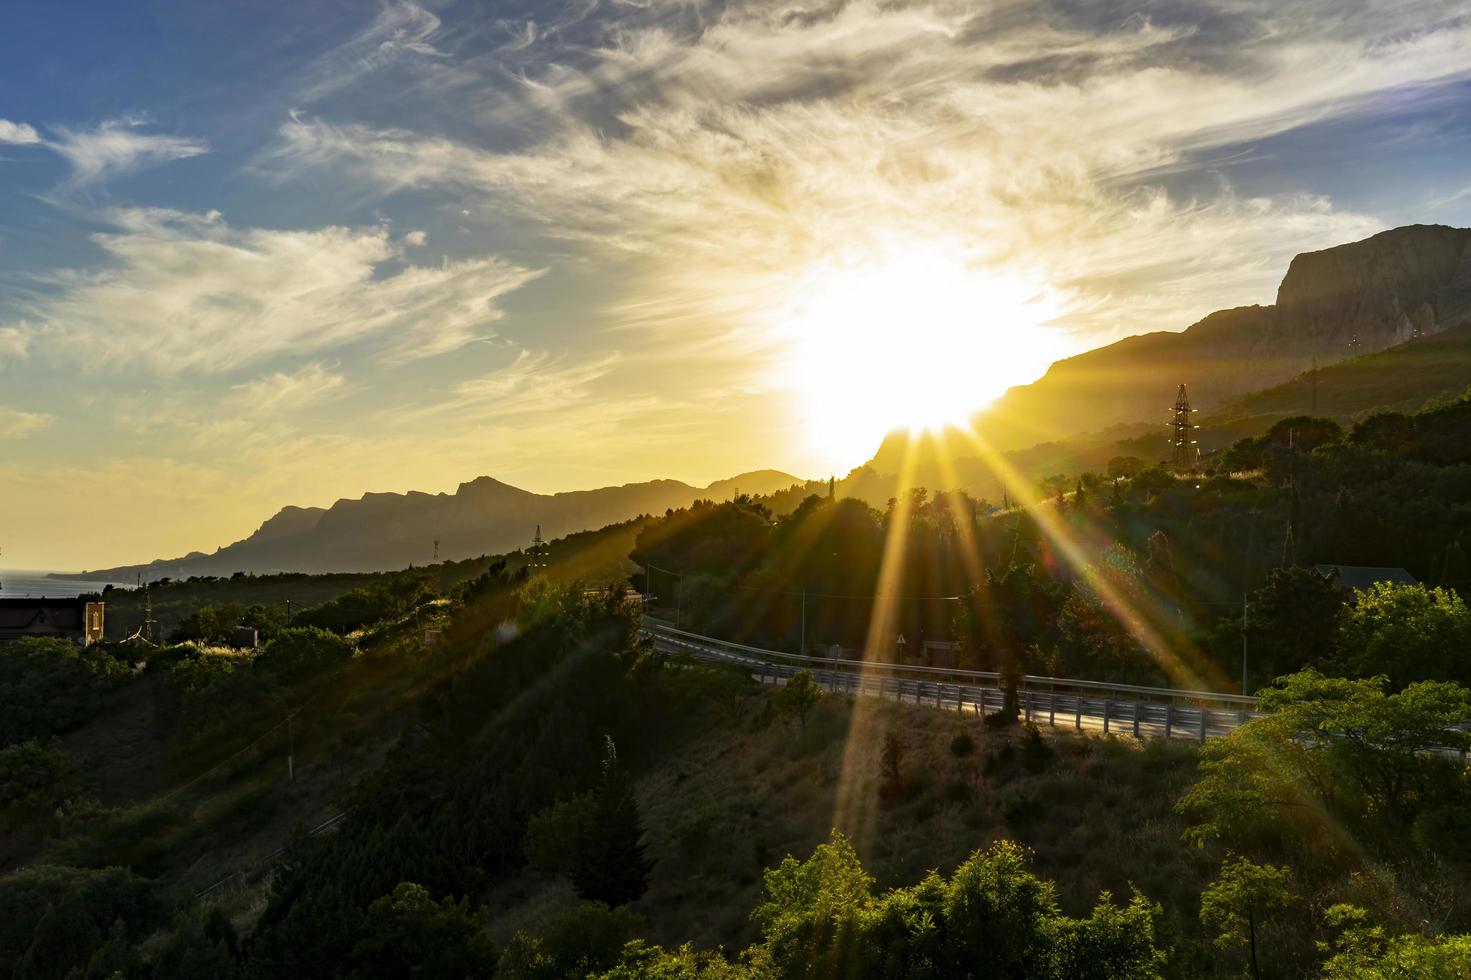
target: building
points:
(1361, 578)
(77, 619)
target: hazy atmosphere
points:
(258, 254)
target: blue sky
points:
(263, 253)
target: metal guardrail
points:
(1030, 681)
(1140, 718)
(320, 828)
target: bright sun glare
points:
(918, 338)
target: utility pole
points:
(436, 551)
(803, 648)
(1245, 629)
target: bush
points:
(301, 652)
(35, 779)
(408, 934)
(962, 745)
(50, 686)
(582, 942)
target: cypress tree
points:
(610, 866)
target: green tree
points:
(610, 865)
(1008, 618)
(302, 652)
(582, 942)
(1242, 896)
(1294, 621)
(1364, 952)
(799, 696)
(409, 934)
(1123, 467)
(1410, 632)
(35, 779)
(1330, 748)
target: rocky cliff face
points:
(1377, 293)
(1338, 303)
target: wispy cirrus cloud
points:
(110, 149)
(186, 292)
(16, 424)
(289, 391)
(719, 153)
(117, 147)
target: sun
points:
(916, 336)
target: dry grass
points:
(1096, 811)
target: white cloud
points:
(185, 292)
(15, 424)
(118, 147)
(416, 239)
(719, 159)
(18, 133)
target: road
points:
(1121, 709)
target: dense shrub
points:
(50, 686)
(301, 652)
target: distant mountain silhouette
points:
(1334, 304)
(386, 531)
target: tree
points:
(35, 779)
(301, 652)
(1294, 621)
(1364, 952)
(1410, 632)
(1125, 467)
(580, 942)
(1242, 456)
(800, 695)
(992, 918)
(1243, 895)
(408, 934)
(1303, 433)
(610, 865)
(1009, 617)
(1330, 749)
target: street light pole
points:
(1245, 625)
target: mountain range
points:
(1384, 323)
(386, 531)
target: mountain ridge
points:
(384, 531)
(1332, 304)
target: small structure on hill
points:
(1360, 578)
(79, 619)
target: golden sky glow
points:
(910, 334)
(577, 245)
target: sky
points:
(257, 253)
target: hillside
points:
(1332, 305)
(1400, 379)
(388, 531)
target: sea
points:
(22, 583)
